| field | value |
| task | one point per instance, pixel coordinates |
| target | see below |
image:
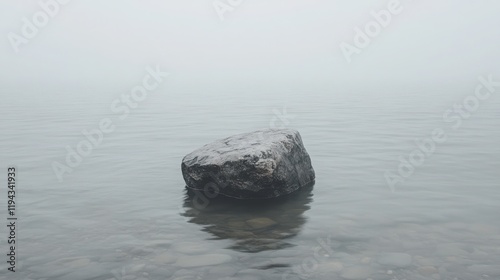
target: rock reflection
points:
(254, 225)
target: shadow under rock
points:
(254, 225)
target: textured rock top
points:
(246, 144)
(260, 164)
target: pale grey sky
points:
(293, 42)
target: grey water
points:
(123, 211)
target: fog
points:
(277, 45)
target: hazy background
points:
(261, 45)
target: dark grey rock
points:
(262, 164)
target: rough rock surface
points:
(262, 164)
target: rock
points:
(236, 225)
(238, 234)
(262, 164)
(395, 260)
(202, 260)
(259, 223)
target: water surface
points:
(123, 213)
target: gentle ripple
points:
(124, 214)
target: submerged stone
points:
(262, 164)
(258, 223)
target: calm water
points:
(123, 212)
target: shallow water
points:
(123, 213)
